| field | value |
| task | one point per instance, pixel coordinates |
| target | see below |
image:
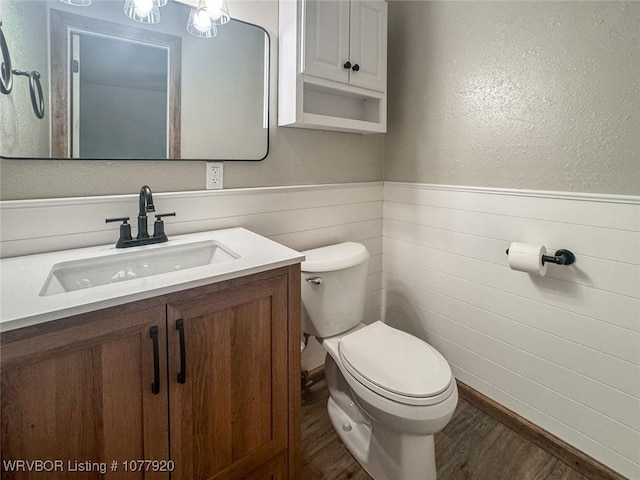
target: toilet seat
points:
(396, 365)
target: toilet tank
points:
(333, 288)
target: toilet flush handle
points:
(316, 280)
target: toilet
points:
(389, 392)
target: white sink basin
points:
(50, 286)
(122, 266)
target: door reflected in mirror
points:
(117, 89)
(117, 92)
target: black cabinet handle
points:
(155, 386)
(355, 68)
(182, 374)
(347, 65)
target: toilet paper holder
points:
(561, 257)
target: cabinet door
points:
(368, 44)
(228, 378)
(83, 393)
(326, 39)
(274, 470)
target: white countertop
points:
(22, 278)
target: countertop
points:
(22, 278)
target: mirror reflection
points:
(115, 88)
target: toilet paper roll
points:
(526, 257)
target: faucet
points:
(146, 205)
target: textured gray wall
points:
(296, 156)
(540, 95)
(535, 95)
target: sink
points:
(124, 266)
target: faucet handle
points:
(124, 220)
(159, 216)
(125, 230)
(158, 225)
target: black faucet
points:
(143, 238)
(146, 205)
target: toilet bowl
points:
(389, 392)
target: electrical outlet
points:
(214, 175)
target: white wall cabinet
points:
(346, 42)
(368, 44)
(333, 65)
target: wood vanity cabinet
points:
(226, 359)
(231, 413)
(82, 391)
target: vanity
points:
(182, 372)
(172, 359)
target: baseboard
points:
(317, 374)
(576, 459)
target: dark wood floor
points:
(473, 446)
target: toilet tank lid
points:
(334, 257)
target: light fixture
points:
(200, 23)
(218, 11)
(77, 3)
(143, 11)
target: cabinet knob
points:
(347, 65)
(355, 68)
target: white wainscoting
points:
(562, 350)
(301, 217)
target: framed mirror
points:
(114, 88)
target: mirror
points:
(114, 88)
